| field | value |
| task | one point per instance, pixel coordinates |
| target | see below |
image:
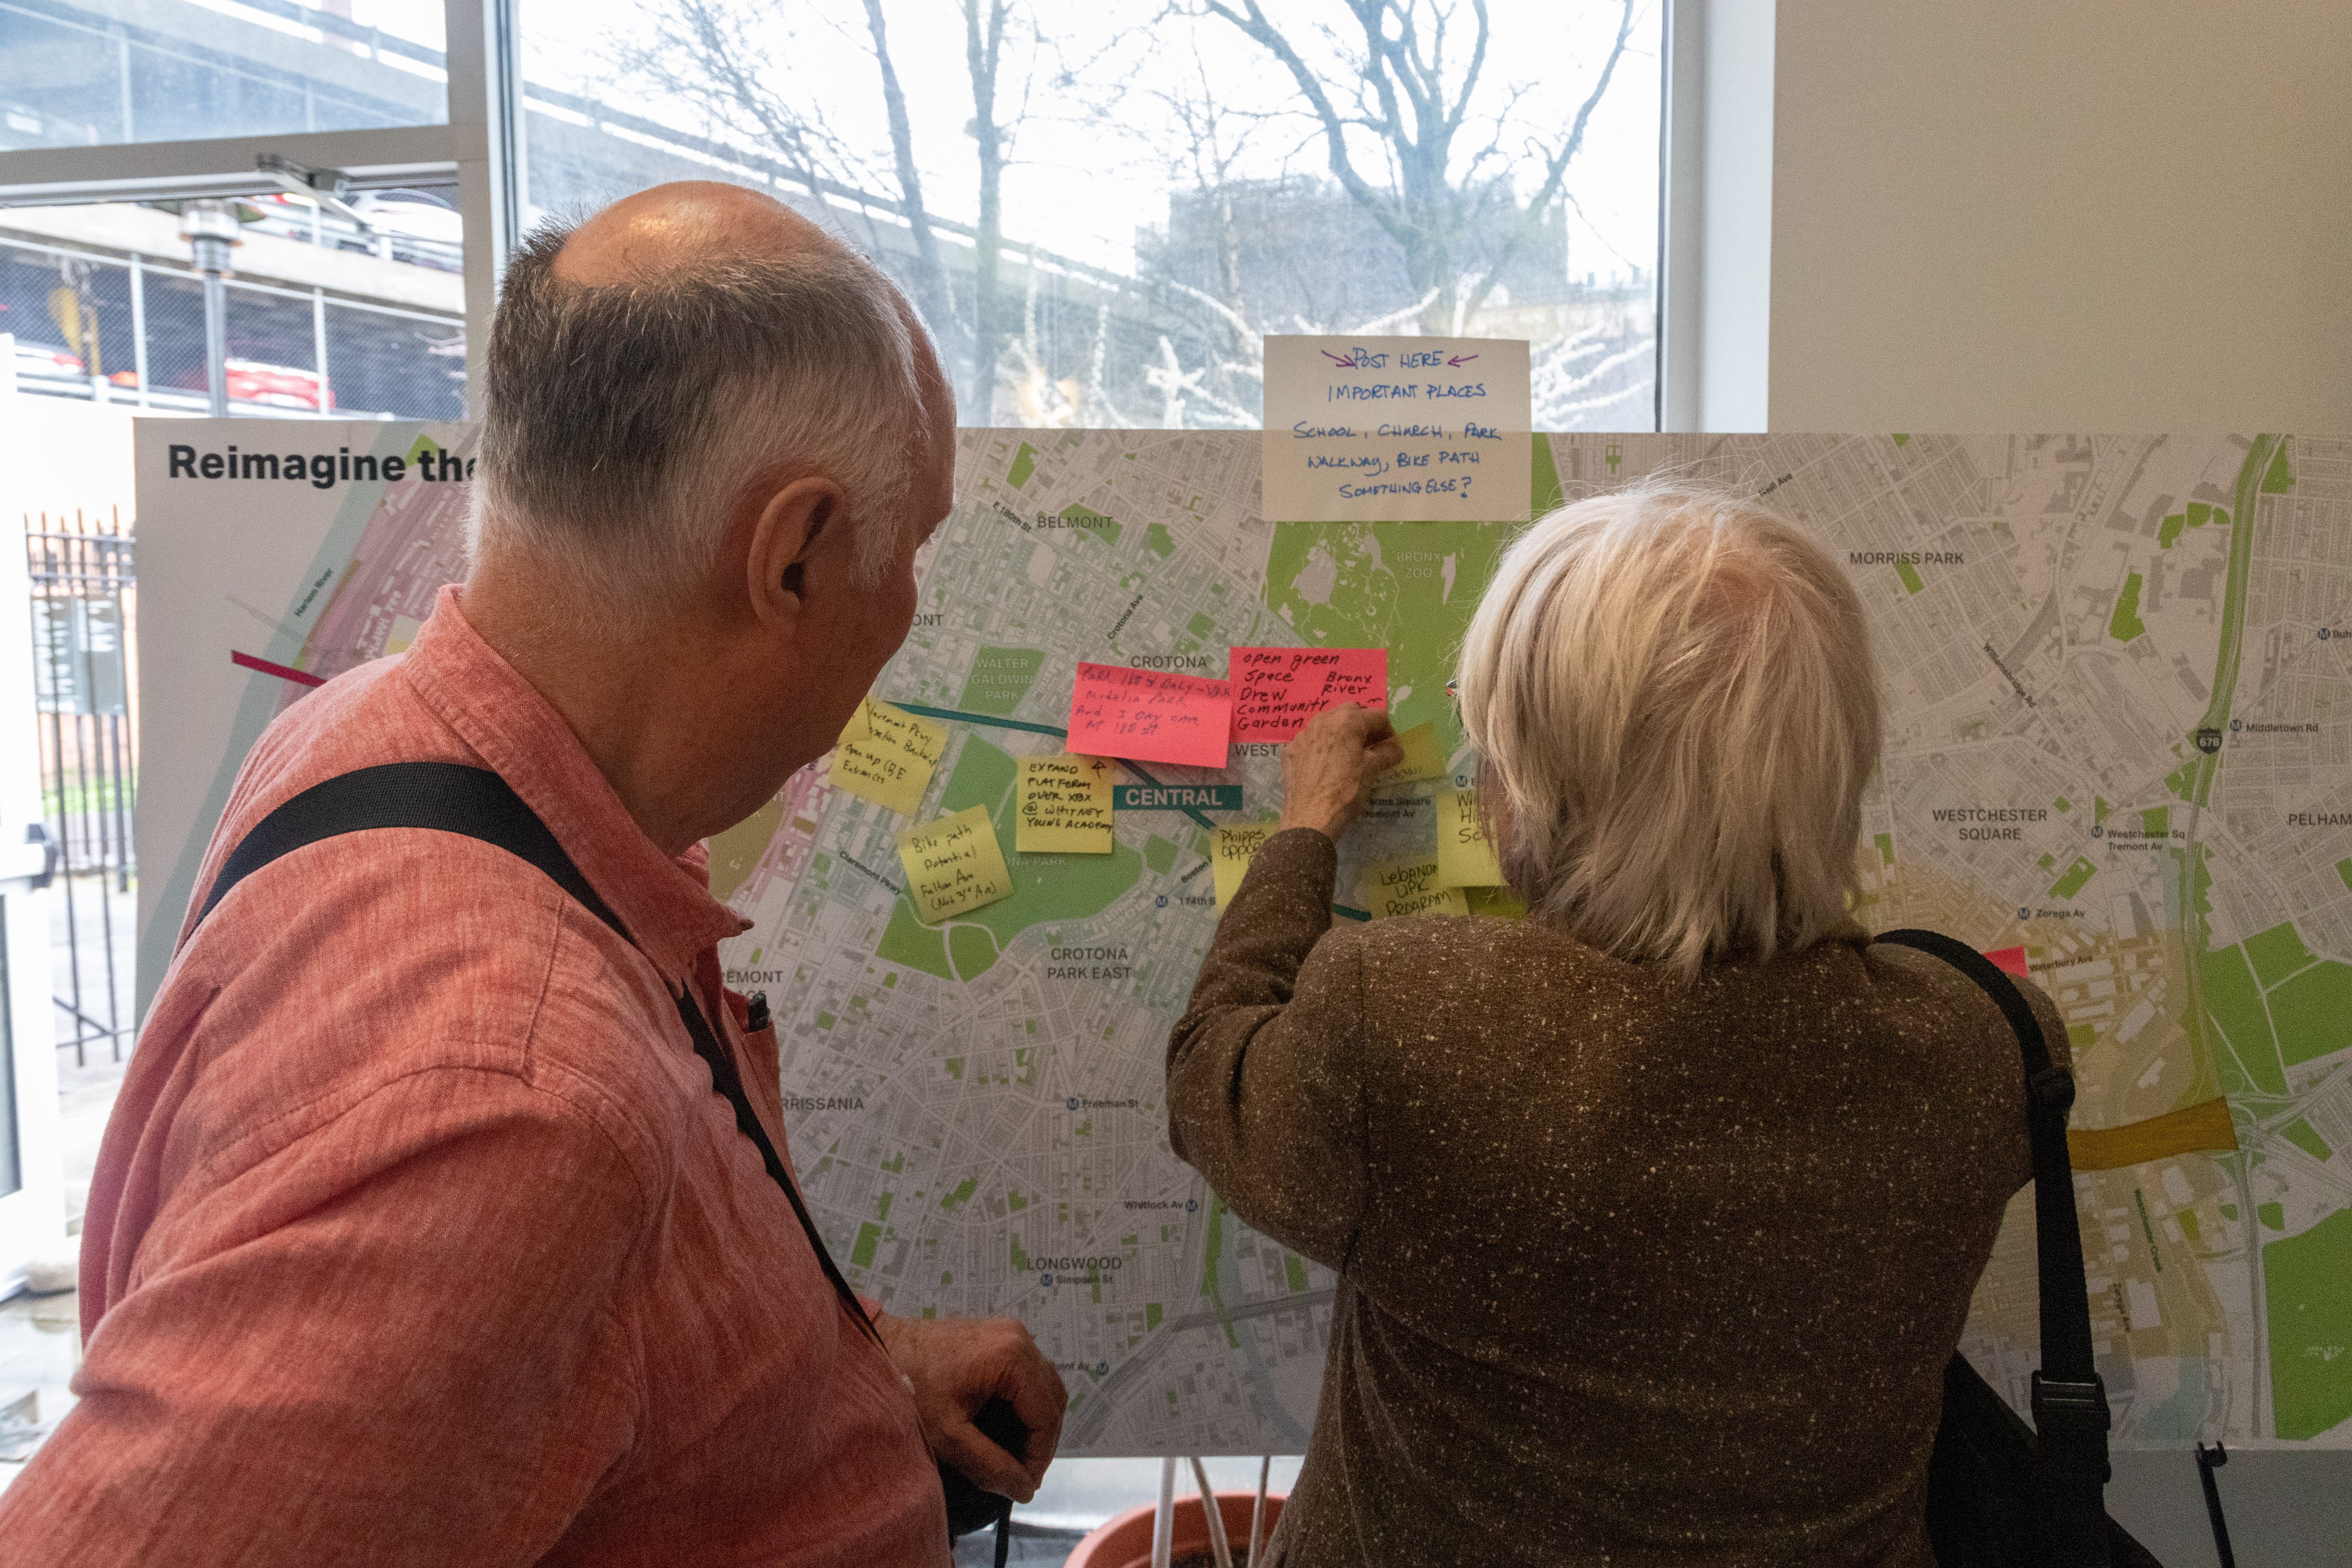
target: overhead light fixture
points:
(325, 187)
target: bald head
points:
(660, 232)
(686, 343)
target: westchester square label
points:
(1381, 429)
(1277, 690)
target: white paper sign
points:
(272, 553)
(1396, 429)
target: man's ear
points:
(785, 533)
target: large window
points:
(1100, 208)
(77, 73)
(323, 316)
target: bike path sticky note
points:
(1235, 848)
(953, 864)
(1277, 690)
(1062, 805)
(888, 756)
(1410, 888)
(1424, 758)
(1465, 855)
(1150, 715)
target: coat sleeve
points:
(1264, 1069)
(392, 1342)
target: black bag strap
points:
(2070, 1399)
(475, 803)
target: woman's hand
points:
(1329, 768)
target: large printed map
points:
(2120, 704)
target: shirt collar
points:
(666, 903)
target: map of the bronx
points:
(2118, 675)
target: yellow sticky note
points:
(953, 864)
(1230, 860)
(1423, 759)
(1410, 888)
(888, 756)
(1062, 805)
(1465, 857)
(919, 738)
(1500, 902)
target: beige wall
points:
(2028, 215)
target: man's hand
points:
(1329, 768)
(958, 1364)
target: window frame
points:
(1710, 263)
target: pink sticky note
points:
(1150, 715)
(1277, 690)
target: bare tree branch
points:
(936, 299)
(1531, 217)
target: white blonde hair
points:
(1672, 695)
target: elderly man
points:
(421, 1234)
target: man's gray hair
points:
(1672, 694)
(621, 422)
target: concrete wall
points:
(2100, 215)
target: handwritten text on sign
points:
(1277, 690)
(1396, 429)
(1465, 855)
(1410, 888)
(1152, 716)
(1232, 853)
(953, 864)
(1062, 805)
(888, 756)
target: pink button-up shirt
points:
(419, 1234)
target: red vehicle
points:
(278, 387)
(272, 385)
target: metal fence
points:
(85, 683)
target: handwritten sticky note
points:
(1235, 848)
(953, 864)
(1424, 758)
(1277, 690)
(1152, 716)
(1465, 855)
(916, 737)
(1410, 888)
(1381, 429)
(888, 756)
(1061, 805)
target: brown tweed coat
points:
(1632, 1271)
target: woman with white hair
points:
(1656, 1214)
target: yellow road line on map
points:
(2185, 1131)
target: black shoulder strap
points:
(475, 803)
(2070, 1399)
